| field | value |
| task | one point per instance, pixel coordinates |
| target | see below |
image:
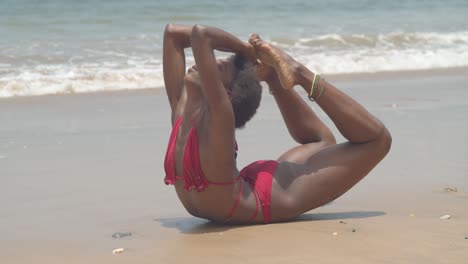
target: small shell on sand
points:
(118, 251)
(335, 233)
(445, 217)
(121, 234)
(450, 189)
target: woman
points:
(215, 97)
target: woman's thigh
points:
(302, 183)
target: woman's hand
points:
(249, 53)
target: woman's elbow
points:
(198, 30)
(169, 29)
(199, 33)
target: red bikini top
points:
(192, 172)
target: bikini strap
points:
(256, 204)
(226, 183)
(236, 203)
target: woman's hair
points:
(245, 90)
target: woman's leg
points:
(304, 181)
(303, 124)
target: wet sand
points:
(74, 169)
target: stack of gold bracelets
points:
(315, 86)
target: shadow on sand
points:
(193, 225)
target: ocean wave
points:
(393, 40)
(114, 68)
(60, 79)
(334, 53)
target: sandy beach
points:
(77, 168)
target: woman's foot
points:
(284, 65)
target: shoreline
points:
(338, 77)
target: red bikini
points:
(258, 175)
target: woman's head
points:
(244, 89)
(238, 77)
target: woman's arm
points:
(220, 115)
(204, 41)
(176, 39)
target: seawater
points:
(65, 46)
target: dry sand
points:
(74, 169)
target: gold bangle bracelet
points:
(315, 82)
(321, 90)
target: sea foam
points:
(106, 69)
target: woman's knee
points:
(387, 140)
(384, 142)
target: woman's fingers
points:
(250, 53)
(254, 38)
